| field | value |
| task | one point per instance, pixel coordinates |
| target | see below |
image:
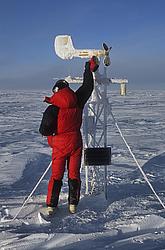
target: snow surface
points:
(131, 218)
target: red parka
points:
(69, 118)
(67, 142)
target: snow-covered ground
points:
(131, 217)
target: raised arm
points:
(85, 90)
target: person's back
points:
(69, 113)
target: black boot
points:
(55, 193)
(74, 191)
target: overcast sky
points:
(134, 28)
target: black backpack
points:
(48, 124)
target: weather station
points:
(97, 153)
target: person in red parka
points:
(67, 144)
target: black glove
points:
(46, 99)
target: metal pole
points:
(105, 132)
(86, 180)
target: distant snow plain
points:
(131, 217)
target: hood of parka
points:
(65, 98)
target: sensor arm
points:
(64, 49)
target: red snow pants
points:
(66, 148)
